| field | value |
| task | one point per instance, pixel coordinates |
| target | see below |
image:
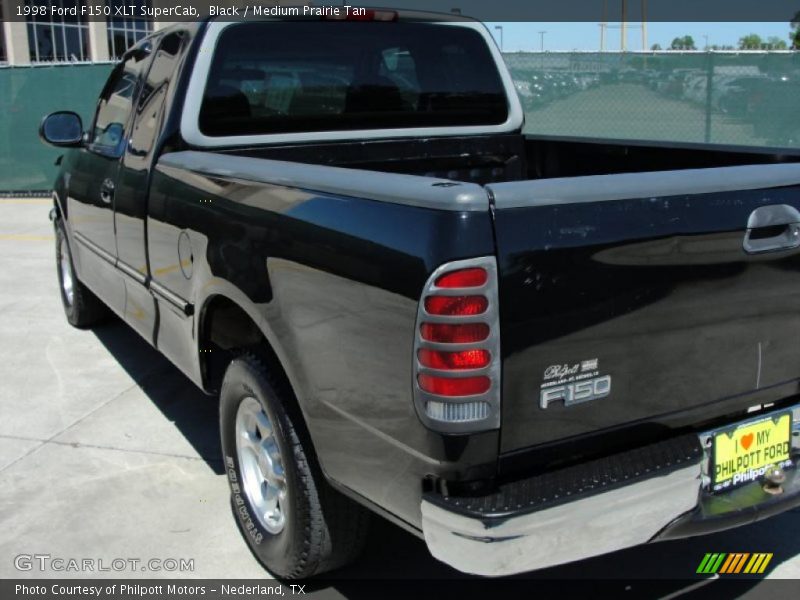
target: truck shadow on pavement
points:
(662, 570)
(194, 414)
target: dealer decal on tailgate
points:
(742, 452)
(573, 383)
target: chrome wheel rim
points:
(263, 477)
(66, 272)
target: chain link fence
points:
(737, 98)
(741, 98)
(26, 95)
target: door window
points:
(151, 102)
(114, 107)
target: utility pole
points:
(623, 26)
(500, 27)
(541, 48)
(604, 26)
(644, 25)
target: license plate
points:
(742, 452)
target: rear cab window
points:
(295, 77)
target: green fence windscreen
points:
(748, 99)
(743, 99)
(26, 95)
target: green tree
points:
(655, 47)
(794, 34)
(750, 42)
(683, 43)
(776, 43)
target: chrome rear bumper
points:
(595, 525)
(495, 539)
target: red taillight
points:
(463, 278)
(445, 333)
(456, 356)
(456, 305)
(466, 359)
(462, 386)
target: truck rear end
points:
(648, 327)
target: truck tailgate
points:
(632, 298)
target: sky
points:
(586, 36)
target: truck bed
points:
(640, 270)
(513, 157)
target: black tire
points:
(83, 309)
(322, 529)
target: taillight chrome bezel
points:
(491, 398)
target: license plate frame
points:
(740, 465)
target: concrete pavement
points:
(107, 451)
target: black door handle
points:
(772, 228)
(107, 191)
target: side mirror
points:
(63, 128)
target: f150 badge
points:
(574, 383)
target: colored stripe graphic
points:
(758, 563)
(733, 563)
(767, 558)
(711, 562)
(702, 567)
(729, 563)
(740, 562)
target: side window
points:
(397, 65)
(151, 102)
(115, 106)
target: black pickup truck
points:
(525, 350)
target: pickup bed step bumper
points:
(632, 498)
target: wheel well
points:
(227, 331)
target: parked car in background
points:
(771, 107)
(734, 94)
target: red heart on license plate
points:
(747, 440)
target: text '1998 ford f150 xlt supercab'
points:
(524, 350)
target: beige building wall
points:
(98, 41)
(16, 37)
(158, 25)
(16, 33)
